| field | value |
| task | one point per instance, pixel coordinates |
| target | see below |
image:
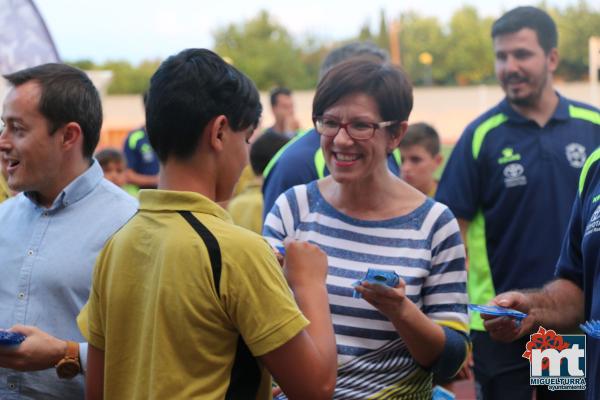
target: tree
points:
(85, 65)
(469, 56)
(365, 33)
(418, 35)
(130, 79)
(383, 38)
(265, 51)
(576, 24)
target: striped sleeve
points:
(445, 289)
(280, 221)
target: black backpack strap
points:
(214, 251)
(245, 373)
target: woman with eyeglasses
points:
(391, 340)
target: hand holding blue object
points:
(377, 276)
(591, 328)
(10, 339)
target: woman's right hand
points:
(305, 264)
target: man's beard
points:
(533, 98)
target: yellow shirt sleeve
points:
(257, 298)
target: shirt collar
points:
(77, 189)
(170, 200)
(561, 113)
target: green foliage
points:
(84, 65)
(127, 79)
(576, 24)
(462, 51)
(383, 38)
(365, 33)
(420, 35)
(470, 58)
(264, 50)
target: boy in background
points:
(247, 207)
(113, 165)
(420, 151)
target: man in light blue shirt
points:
(53, 230)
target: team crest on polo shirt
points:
(514, 175)
(576, 154)
(147, 153)
(593, 224)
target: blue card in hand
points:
(498, 311)
(9, 339)
(377, 276)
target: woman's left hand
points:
(387, 300)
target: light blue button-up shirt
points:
(47, 257)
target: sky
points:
(135, 30)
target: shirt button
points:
(45, 213)
(30, 252)
(21, 295)
(12, 386)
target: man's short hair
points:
(187, 91)
(263, 149)
(532, 18)
(351, 50)
(66, 95)
(422, 134)
(387, 84)
(279, 91)
(109, 155)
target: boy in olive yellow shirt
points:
(184, 304)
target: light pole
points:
(426, 59)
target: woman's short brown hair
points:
(387, 84)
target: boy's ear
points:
(438, 159)
(215, 132)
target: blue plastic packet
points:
(10, 339)
(591, 328)
(498, 311)
(281, 250)
(439, 393)
(377, 276)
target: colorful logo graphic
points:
(556, 361)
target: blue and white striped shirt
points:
(424, 247)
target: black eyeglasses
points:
(357, 130)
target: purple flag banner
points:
(24, 38)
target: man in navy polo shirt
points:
(570, 299)
(142, 163)
(301, 159)
(511, 181)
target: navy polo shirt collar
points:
(560, 114)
